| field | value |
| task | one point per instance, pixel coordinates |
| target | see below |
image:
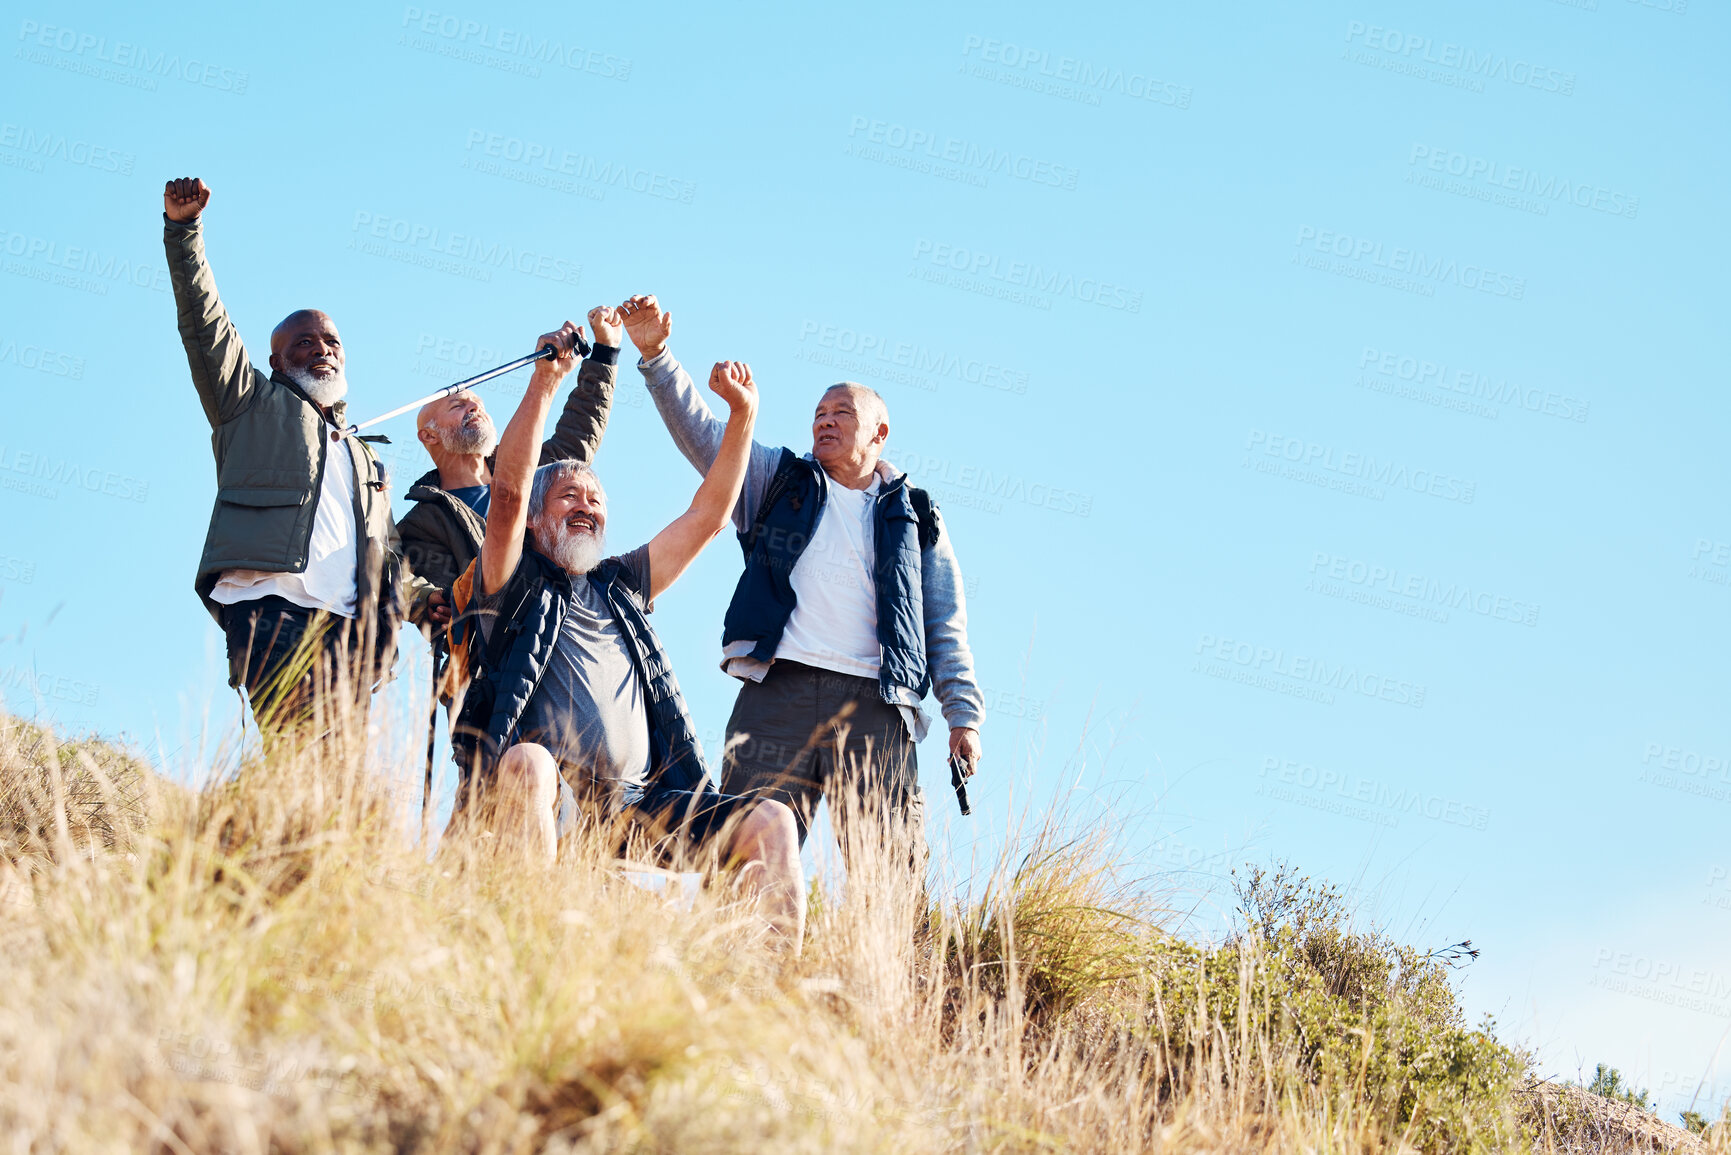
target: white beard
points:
(323, 392)
(575, 551)
(478, 439)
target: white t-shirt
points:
(834, 624)
(328, 583)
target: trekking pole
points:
(959, 780)
(544, 353)
(432, 736)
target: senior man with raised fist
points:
(301, 563)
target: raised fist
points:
(648, 325)
(609, 326)
(184, 198)
(731, 381)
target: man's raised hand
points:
(608, 324)
(731, 381)
(648, 325)
(184, 198)
(563, 340)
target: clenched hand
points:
(184, 198)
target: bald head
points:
(867, 402)
(305, 349)
(298, 322)
(457, 425)
(848, 432)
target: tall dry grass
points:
(270, 964)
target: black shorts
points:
(683, 823)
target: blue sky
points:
(1326, 401)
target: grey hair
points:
(877, 400)
(550, 475)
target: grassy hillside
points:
(269, 965)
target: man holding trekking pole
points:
(442, 531)
(849, 611)
(301, 564)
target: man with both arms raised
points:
(849, 611)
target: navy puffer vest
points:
(903, 521)
(509, 665)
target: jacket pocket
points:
(252, 495)
(258, 527)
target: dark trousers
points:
(803, 734)
(284, 655)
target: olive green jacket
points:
(271, 445)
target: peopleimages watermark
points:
(981, 487)
(1711, 562)
(1012, 704)
(1297, 675)
(506, 49)
(902, 362)
(1459, 388)
(460, 254)
(30, 684)
(1389, 587)
(203, 1059)
(1513, 186)
(369, 988)
(1367, 799)
(132, 65)
(1666, 981)
(549, 165)
(28, 148)
(1718, 887)
(1065, 77)
(1687, 771)
(1447, 63)
(1347, 471)
(37, 474)
(40, 358)
(1409, 270)
(78, 267)
(1020, 281)
(929, 151)
(1175, 853)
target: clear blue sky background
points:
(1203, 323)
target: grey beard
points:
(477, 440)
(326, 392)
(574, 551)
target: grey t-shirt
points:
(589, 710)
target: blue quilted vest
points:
(508, 667)
(903, 521)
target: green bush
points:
(1351, 1015)
(1608, 1084)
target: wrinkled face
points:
(572, 525)
(458, 424)
(306, 344)
(847, 428)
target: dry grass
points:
(270, 965)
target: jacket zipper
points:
(306, 551)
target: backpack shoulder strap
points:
(928, 515)
(777, 486)
(464, 637)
